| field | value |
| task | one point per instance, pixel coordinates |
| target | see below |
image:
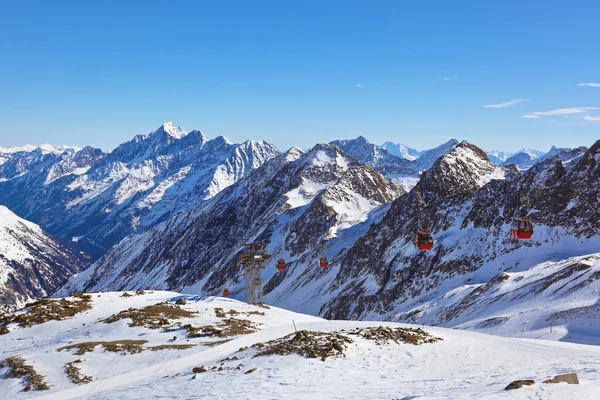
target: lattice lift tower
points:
(254, 259)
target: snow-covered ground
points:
(463, 365)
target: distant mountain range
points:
(305, 204)
(170, 210)
(95, 199)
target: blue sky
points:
(297, 73)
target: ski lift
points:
(323, 262)
(281, 266)
(521, 228)
(225, 292)
(423, 240)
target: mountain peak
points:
(464, 169)
(400, 150)
(171, 130)
(294, 153)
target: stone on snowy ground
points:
(571, 379)
(519, 384)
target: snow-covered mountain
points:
(94, 199)
(32, 263)
(526, 158)
(157, 345)
(303, 204)
(400, 150)
(470, 221)
(323, 202)
(44, 148)
(500, 157)
(404, 171)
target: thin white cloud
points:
(591, 84)
(562, 111)
(359, 86)
(506, 103)
(450, 78)
(589, 118)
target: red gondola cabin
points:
(323, 262)
(423, 240)
(521, 228)
(225, 292)
(281, 264)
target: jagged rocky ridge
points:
(375, 271)
(95, 199)
(32, 263)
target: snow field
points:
(463, 365)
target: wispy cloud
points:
(591, 84)
(589, 118)
(359, 86)
(450, 78)
(506, 103)
(561, 111)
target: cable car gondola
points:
(323, 262)
(281, 266)
(225, 292)
(521, 228)
(423, 240)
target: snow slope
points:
(32, 263)
(463, 365)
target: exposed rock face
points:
(94, 199)
(32, 263)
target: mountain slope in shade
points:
(32, 264)
(96, 199)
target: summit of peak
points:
(172, 130)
